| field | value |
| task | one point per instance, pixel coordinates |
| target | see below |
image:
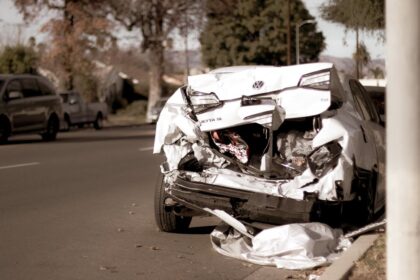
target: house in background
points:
(116, 88)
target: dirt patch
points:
(372, 266)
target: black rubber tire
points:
(98, 124)
(4, 131)
(364, 205)
(166, 220)
(53, 126)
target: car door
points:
(15, 106)
(374, 132)
(34, 101)
(75, 107)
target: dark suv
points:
(28, 104)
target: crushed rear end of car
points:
(265, 144)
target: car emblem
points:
(258, 85)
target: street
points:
(82, 208)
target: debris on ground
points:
(291, 246)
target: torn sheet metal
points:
(295, 134)
(293, 246)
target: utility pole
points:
(289, 41)
(187, 62)
(403, 139)
(357, 54)
(297, 47)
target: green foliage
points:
(377, 72)
(255, 32)
(18, 60)
(362, 56)
(366, 15)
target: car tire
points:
(98, 124)
(4, 130)
(52, 129)
(365, 184)
(166, 219)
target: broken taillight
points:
(324, 158)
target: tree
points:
(377, 72)
(155, 19)
(357, 15)
(363, 57)
(255, 32)
(18, 59)
(78, 29)
(366, 15)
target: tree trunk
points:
(68, 67)
(357, 54)
(156, 59)
(289, 41)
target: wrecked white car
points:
(270, 145)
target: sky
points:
(338, 43)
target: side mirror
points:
(14, 95)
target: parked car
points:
(79, 112)
(270, 145)
(156, 109)
(28, 104)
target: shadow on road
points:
(200, 230)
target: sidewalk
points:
(121, 120)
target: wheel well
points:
(55, 117)
(5, 119)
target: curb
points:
(340, 269)
(124, 125)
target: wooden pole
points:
(403, 139)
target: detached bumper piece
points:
(251, 206)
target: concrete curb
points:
(340, 269)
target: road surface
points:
(82, 208)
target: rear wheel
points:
(52, 129)
(365, 183)
(4, 130)
(166, 219)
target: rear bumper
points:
(252, 206)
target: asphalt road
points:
(82, 208)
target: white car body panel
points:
(177, 134)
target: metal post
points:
(298, 26)
(403, 139)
